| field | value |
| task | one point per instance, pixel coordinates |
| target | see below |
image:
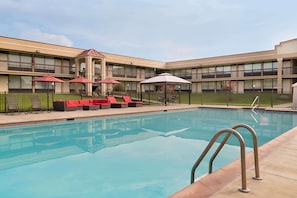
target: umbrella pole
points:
(165, 92)
(48, 96)
(53, 85)
(140, 92)
(190, 90)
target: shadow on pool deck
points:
(278, 158)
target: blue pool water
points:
(146, 155)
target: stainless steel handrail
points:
(253, 103)
(255, 145)
(242, 154)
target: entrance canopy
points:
(166, 78)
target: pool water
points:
(145, 155)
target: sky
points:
(162, 30)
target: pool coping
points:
(54, 116)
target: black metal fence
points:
(24, 102)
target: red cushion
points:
(72, 103)
(84, 102)
(100, 101)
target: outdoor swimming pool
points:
(146, 155)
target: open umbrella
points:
(166, 78)
(108, 81)
(48, 79)
(80, 80)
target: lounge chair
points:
(115, 104)
(13, 104)
(131, 103)
(35, 103)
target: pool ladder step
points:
(228, 132)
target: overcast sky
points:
(164, 30)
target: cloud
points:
(37, 35)
(153, 29)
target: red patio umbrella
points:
(109, 81)
(80, 80)
(48, 79)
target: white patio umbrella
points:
(167, 78)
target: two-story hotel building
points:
(22, 60)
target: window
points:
(131, 72)
(252, 69)
(72, 67)
(208, 72)
(26, 82)
(186, 73)
(270, 68)
(223, 71)
(43, 64)
(252, 85)
(270, 84)
(149, 73)
(97, 69)
(19, 62)
(118, 71)
(50, 64)
(208, 86)
(287, 67)
(19, 82)
(63, 66)
(26, 62)
(14, 82)
(176, 72)
(219, 85)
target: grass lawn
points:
(266, 99)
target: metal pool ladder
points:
(228, 132)
(254, 104)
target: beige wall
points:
(287, 47)
(287, 86)
(240, 87)
(3, 83)
(38, 47)
(128, 60)
(3, 61)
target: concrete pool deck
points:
(278, 158)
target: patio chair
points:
(131, 103)
(115, 104)
(13, 104)
(35, 103)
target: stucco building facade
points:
(22, 60)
